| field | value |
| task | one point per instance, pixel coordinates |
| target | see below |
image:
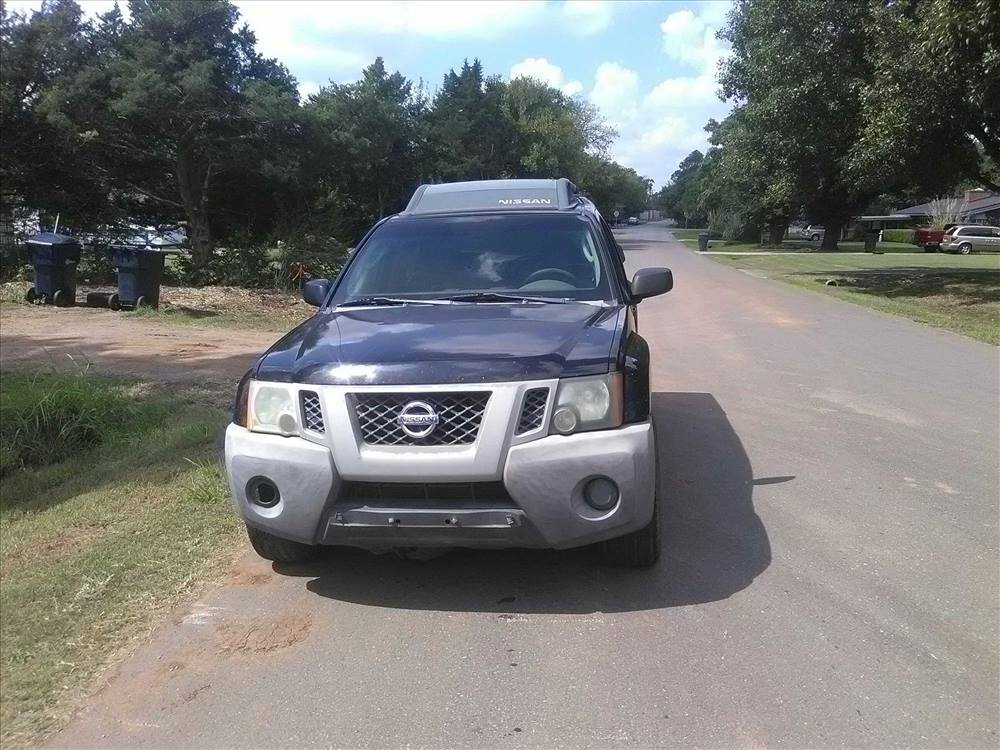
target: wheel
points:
(640, 549)
(965, 248)
(814, 237)
(276, 549)
(59, 298)
(30, 296)
(141, 302)
(930, 248)
(113, 303)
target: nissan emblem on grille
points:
(418, 419)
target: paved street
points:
(830, 572)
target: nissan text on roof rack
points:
(473, 378)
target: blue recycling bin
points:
(54, 258)
(140, 270)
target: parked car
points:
(929, 238)
(813, 232)
(473, 378)
(976, 238)
(633, 219)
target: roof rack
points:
(493, 195)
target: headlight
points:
(272, 409)
(588, 404)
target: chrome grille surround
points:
(532, 410)
(460, 415)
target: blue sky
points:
(648, 66)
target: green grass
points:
(958, 292)
(99, 541)
(686, 234)
(804, 246)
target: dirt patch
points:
(246, 578)
(263, 636)
(118, 344)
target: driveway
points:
(830, 572)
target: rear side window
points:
(545, 255)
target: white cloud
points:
(689, 37)
(427, 18)
(615, 91)
(542, 70)
(683, 93)
(659, 126)
(587, 16)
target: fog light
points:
(263, 492)
(287, 423)
(564, 420)
(601, 493)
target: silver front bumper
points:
(542, 474)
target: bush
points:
(46, 418)
(898, 235)
(309, 258)
(95, 266)
(726, 224)
(248, 266)
(286, 265)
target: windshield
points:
(441, 257)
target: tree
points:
(611, 186)
(176, 103)
(365, 137)
(553, 133)
(938, 104)
(680, 197)
(796, 70)
(749, 176)
(43, 166)
(470, 134)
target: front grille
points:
(532, 410)
(312, 413)
(459, 417)
(444, 494)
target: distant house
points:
(981, 207)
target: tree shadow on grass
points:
(969, 286)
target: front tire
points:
(276, 549)
(640, 549)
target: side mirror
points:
(315, 291)
(649, 282)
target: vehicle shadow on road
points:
(713, 543)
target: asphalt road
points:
(830, 572)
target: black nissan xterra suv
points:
(473, 378)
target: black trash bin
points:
(140, 270)
(54, 257)
(703, 241)
(871, 241)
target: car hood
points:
(459, 343)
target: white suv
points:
(974, 238)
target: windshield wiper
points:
(377, 301)
(495, 297)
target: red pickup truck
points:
(930, 238)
